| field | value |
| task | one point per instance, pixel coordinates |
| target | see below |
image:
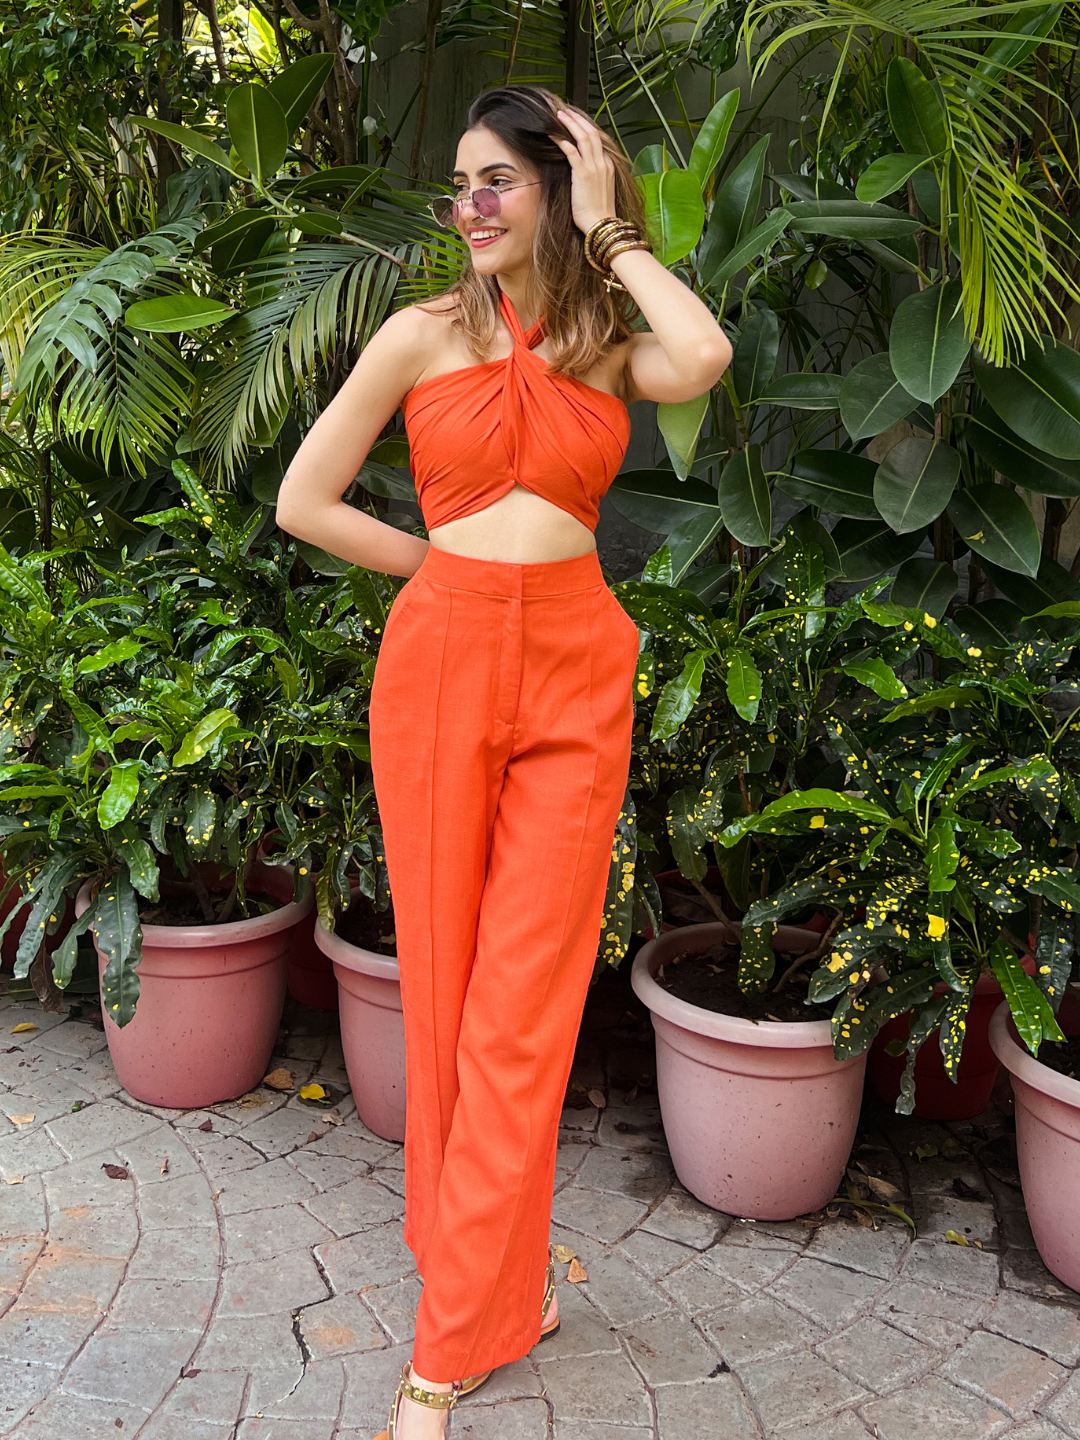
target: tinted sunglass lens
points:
(443, 210)
(486, 202)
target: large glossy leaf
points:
(801, 390)
(1038, 397)
(1017, 459)
(755, 354)
(851, 220)
(1020, 37)
(674, 212)
(997, 524)
(680, 426)
(176, 314)
(927, 341)
(689, 538)
(761, 239)
(119, 939)
(924, 584)
(917, 116)
(886, 175)
(868, 549)
(297, 88)
(810, 532)
(914, 483)
(812, 187)
(712, 137)
(236, 240)
(1050, 586)
(257, 129)
(734, 210)
(192, 140)
(745, 501)
(834, 480)
(119, 795)
(872, 399)
(744, 684)
(657, 501)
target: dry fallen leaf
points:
(21, 1119)
(577, 1272)
(14, 1180)
(251, 1101)
(315, 1135)
(23, 1028)
(164, 1166)
(865, 1220)
(598, 1098)
(882, 1188)
(280, 1079)
(206, 1127)
(335, 1118)
(116, 1172)
(630, 1096)
(563, 1254)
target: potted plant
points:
(178, 728)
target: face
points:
(503, 243)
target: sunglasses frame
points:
(457, 201)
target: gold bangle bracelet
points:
(601, 233)
(622, 248)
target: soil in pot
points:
(1062, 1056)
(709, 979)
(186, 910)
(367, 928)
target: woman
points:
(501, 707)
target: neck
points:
(518, 288)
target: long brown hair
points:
(583, 320)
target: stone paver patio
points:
(244, 1277)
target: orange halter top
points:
(476, 432)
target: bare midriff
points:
(520, 528)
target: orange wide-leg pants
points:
(501, 715)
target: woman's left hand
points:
(592, 187)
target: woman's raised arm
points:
(309, 504)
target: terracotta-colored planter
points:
(760, 1118)
(311, 977)
(210, 1002)
(1047, 1145)
(936, 1096)
(9, 949)
(372, 1031)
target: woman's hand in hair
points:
(592, 186)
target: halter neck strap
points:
(531, 338)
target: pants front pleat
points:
(501, 715)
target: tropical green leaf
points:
(680, 425)
(916, 114)
(1038, 396)
(915, 482)
(678, 697)
(192, 140)
(869, 549)
(743, 684)
(851, 220)
(1017, 459)
(712, 137)
(298, 86)
(176, 314)
(887, 174)
(257, 129)
(876, 676)
(114, 653)
(927, 340)
(942, 856)
(998, 525)
(119, 795)
(801, 390)
(733, 214)
(1031, 1011)
(674, 212)
(754, 360)
(745, 501)
(118, 933)
(199, 740)
(833, 480)
(927, 585)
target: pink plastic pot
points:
(1047, 1144)
(311, 977)
(936, 1096)
(10, 947)
(210, 1002)
(760, 1118)
(372, 1031)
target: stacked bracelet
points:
(608, 238)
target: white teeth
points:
(485, 234)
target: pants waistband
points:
(503, 577)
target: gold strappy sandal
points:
(549, 1294)
(434, 1399)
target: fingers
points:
(569, 149)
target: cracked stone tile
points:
(370, 1382)
(617, 1289)
(135, 1367)
(177, 1204)
(374, 1257)
(973, 1219)
(749, 1266)
(263, 1234)
(597, 1213)
(250, 1342)
(18, 1256)
(1015, 1229)
(173, 1427)
(1036, 1430)
(164, 1304)
(44, 1337)
(1004, 1374)
(317, 1396)
(955, 1267)
(757, 1329)
(144, 1158)
(20, 1014)
(286, 1430)
(280, 1132)
(64, 1282)
(96, 1076)
(1023, 1270)
(78, 1041)
(876, 1356)
(212, 1396)
(669, 1350)
(582, 1331)
(101, 1126)
(640, 1175)
(70, 1417)
(247, 1114)
(267, 1287)
(509, 1420)
(1051, 1328)
(50, 1097)
(395, 1308)
(594, 1430)
(687, 1221)
(394, 1180)
(595, 1387)
(796, 1390)
(517, 1381)
(95, 1234)
(23, 1209)
(358, 1205)
(845, 1426)
(353, 1142)
(653, 1254)
(632, 1127)
(222, 1155)
(579, 1122)
(696, 1288)
(22, 1386)
(933, 1410)
(940, 1317)
(341, 1326)
(877, 1252)
(262, 1186)
(176, 1255)
(30, 1154)
(828, 1294)
(191, 1120)
(327, 1171)
(1064, 1408)
(703, 1410)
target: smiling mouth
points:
(484, 237)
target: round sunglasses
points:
(447, 208)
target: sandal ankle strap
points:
(550, 1291)
(434, 1399)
